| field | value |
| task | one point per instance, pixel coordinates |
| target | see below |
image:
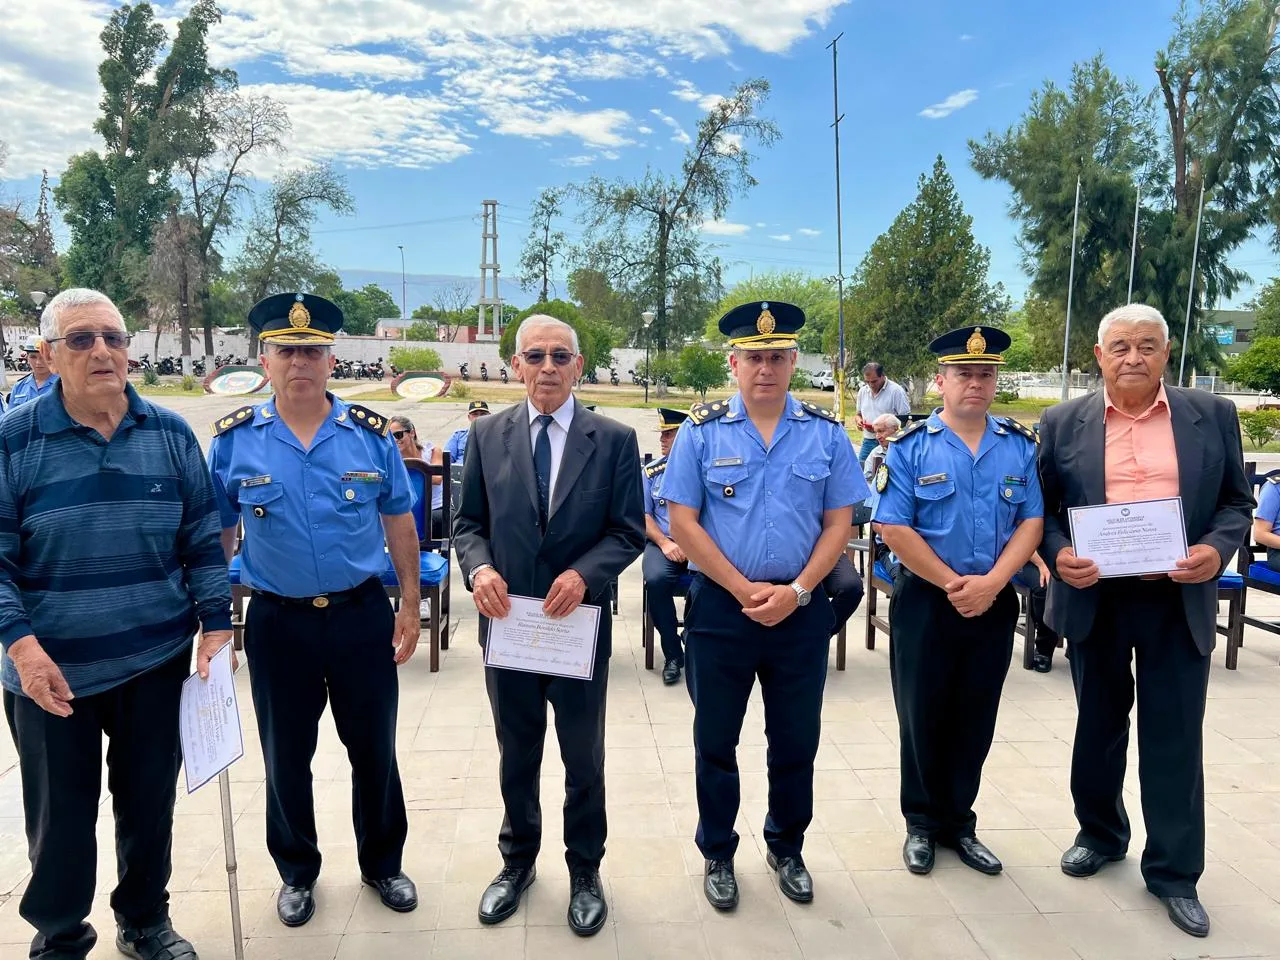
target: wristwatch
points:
(471, 577)
(803, 596)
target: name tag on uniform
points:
(1016, 481)
(727, 462)
(362, 476)
(932, 478)
(256, 481)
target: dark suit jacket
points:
(1217, 500)
(596, 521)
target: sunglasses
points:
(85, 339)
(536, 358)
(399, 434)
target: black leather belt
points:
(321, 601)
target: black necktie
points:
(542, 466)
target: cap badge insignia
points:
(765, 324)
(299, 316)
(976, 344)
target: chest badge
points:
(882, 478)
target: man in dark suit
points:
(1138, 440)
(551, 507)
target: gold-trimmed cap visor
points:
(971, 345)
(295, 318)
(763, 325)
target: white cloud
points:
(723, 228)
(760, 223)
(679, 136)
(808, 232)
(598, 128)
(643, 129)
(581, 160)
(966, 37)
(957, 101)
(688, 92)
(780, 237)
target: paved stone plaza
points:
(866, 904)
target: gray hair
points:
(1130, 315)
(543, 320)
(873, 367)
(51, 317)
(886, 420)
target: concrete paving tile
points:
(897, 893)
(930, 938)
(660, 941)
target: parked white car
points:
(822, 380)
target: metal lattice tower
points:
(490, 297)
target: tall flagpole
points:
(1133, 254)
(835, 112)
(1071, 283)
(1191, 286)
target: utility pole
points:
(489, 269)
(1191, 287)
(835, 125)
(404, 296)
(1133, 253)
(1071, 285)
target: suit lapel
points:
(1186, 442)
(515, 437)
(1091, 434)
(578, 448)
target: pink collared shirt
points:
(1141, 460)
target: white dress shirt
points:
(558, 434)
(891, 399)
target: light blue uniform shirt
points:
(26, 389)
(655, 504)
(763, 505)
(1269, 504)
(965, 507)
(456, 445)
(312, 517)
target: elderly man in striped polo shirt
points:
(109, 561)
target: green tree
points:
(595, 340)
(1258, 368)
(1260, 426)
(924, 276)
(363, 308)
(599, 301)
(1267, 306)
(645, 235)
(701, 369)
(814, 296)
(545, 245)
(421, 330)
(415, 358)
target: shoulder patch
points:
(232, 420)
(655, 467)
(1017, 426)
(368, 419)
(909, 429)
(701, 413)
(818, 411)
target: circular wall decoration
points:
(421, 385)
(235, 381)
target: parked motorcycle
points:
(613, 375)
(503, 374)
(462, 369)
(484, 372)
(591, 376)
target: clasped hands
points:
(489, 591)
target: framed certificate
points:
(1130, 539)
(527, 639)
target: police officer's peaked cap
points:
(762, 325)
(971, 345)
(295, 318)
(477, 406)
(669, 419)
(31, 345)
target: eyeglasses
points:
(536, 358)
(85, 339)
(399, 434)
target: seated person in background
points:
(664, 563)
(1266, 521)
(1035, 575)
(411, 448)
(885, 426)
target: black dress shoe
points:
(1042, 662)
(1188, 915)
(397, 892)
(671, 672)
(502, 897)
(587, 909)
(155, 942)
(974, 853)
(917, 853)
(1082, 862)
(295, 905)
(720, 885)
(793, 878)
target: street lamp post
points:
(404, 297)
(647, 318)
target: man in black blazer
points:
(550, 507)
(1137, 439)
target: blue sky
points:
(431, 106)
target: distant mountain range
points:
(422, 288)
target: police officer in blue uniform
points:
(456, 445)
(760, 489)
(960, 506)
(664, 562)
(318, 483)
(36, 383)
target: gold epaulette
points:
(909, 429)
(701, 413)
(655, 467)
(1017, 426)
(818, 411)
(369, 419)
(232, 420)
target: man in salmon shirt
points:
(1136, 439)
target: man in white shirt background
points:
(877, 395)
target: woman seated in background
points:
(411, 448)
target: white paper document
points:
(209, 719)
(527, 639)
(1130, 539)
